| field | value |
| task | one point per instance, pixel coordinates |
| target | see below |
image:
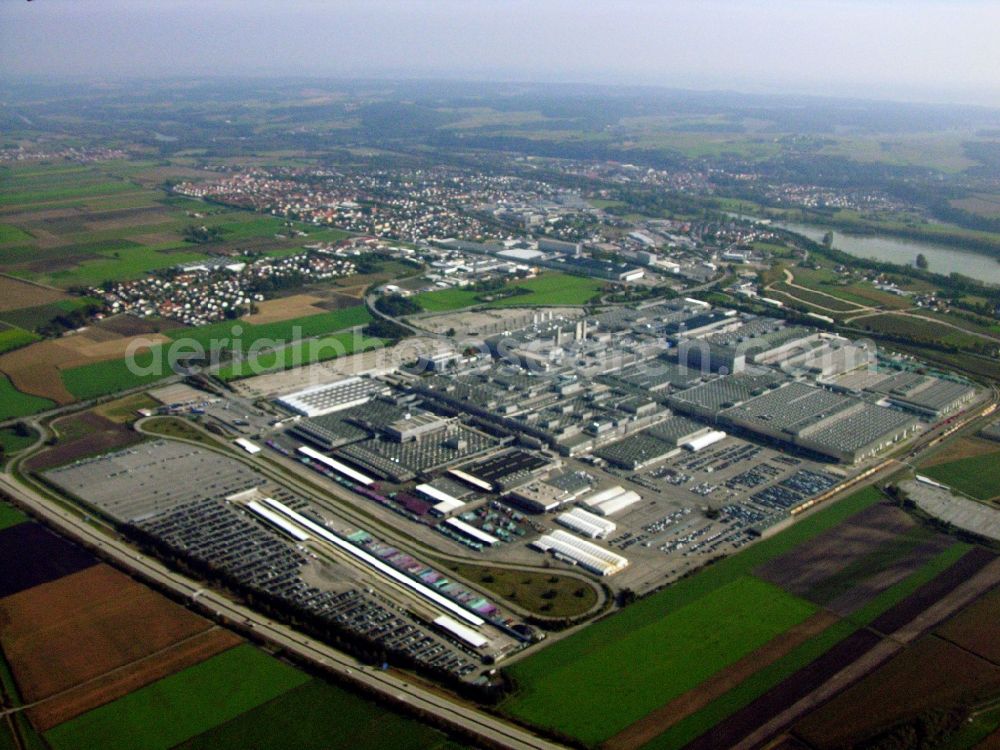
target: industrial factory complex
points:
(626, 447)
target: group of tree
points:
(396, 305)
(68, 321)
(202, 235)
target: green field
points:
(132, 263)
(646, 666)
(11, 442)
(976, 476)
(319, 716)
(13, 403)
(547, 289)
(182, 705)
(210, 336)
(548, 594)
(827, 303)
(300, 353)
(759, 683)
(30, 318)
(543, 676)
(102, 378)
(27, 197)
(10, 233)
(15, 338)
(10, 516)
(917, 330)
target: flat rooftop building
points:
(331, 397)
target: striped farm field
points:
(181, 706)
(665, 657)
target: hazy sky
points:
(904, 49)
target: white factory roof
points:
(521, 254)
(246, 445)
(474, 481)
(354, 551)
(610, 501)
(460, 631)
(433, 493)
(275, 520)
(586, 523)
(703, 441)
(472, 531)
(338, 467)
(599, 497)
(618, 503)
(447, 506)
(587, 555)
(329, 397)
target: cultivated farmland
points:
(865, 559)
(10, 516)
(976, 476)
(13, 403)
(319, 716)
(665, 657)
(106, 621)
(31, 555)
(182, 705)
(932, 674)
(548, 289)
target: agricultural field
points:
(32, 318)
(31, 555)
(16, 294)
(113, 375)
(64, 228)
(693, 642)
(14, 338)
(976, 476)
(300, 353)
(14, 403)
(925, 680)
(917, 330)
(243, 334)
(47, 368)
(182, 705)
(82, 435)
(12, 442)
(548, 289)
(986, 205)
(319, 716)
(99, 660)
(10, 516)
(106, 622)
(825, 302)
(829, 590)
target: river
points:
(943, 259)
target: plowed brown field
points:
(113, 685)
(60, 634)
